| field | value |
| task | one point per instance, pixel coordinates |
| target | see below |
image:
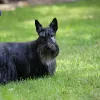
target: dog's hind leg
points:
(3, 75)
(8, 72)
(12, 72)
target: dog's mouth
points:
(47, 52)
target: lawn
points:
(77, 76)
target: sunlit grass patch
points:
(78, 65)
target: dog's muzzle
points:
(49, 50)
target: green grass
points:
(78, 65)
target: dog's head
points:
(47, 48)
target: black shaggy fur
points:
(30, 59)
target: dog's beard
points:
(48, 53)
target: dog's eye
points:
(42, 34)
(52, 35)
(42, 37)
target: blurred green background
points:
(78, 65)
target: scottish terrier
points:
(30, 59)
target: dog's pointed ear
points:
(38, 26)
(54, 24)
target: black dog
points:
(31, 59)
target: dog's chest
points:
(48, 62)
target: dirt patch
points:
(34, 2)
(13, 5)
